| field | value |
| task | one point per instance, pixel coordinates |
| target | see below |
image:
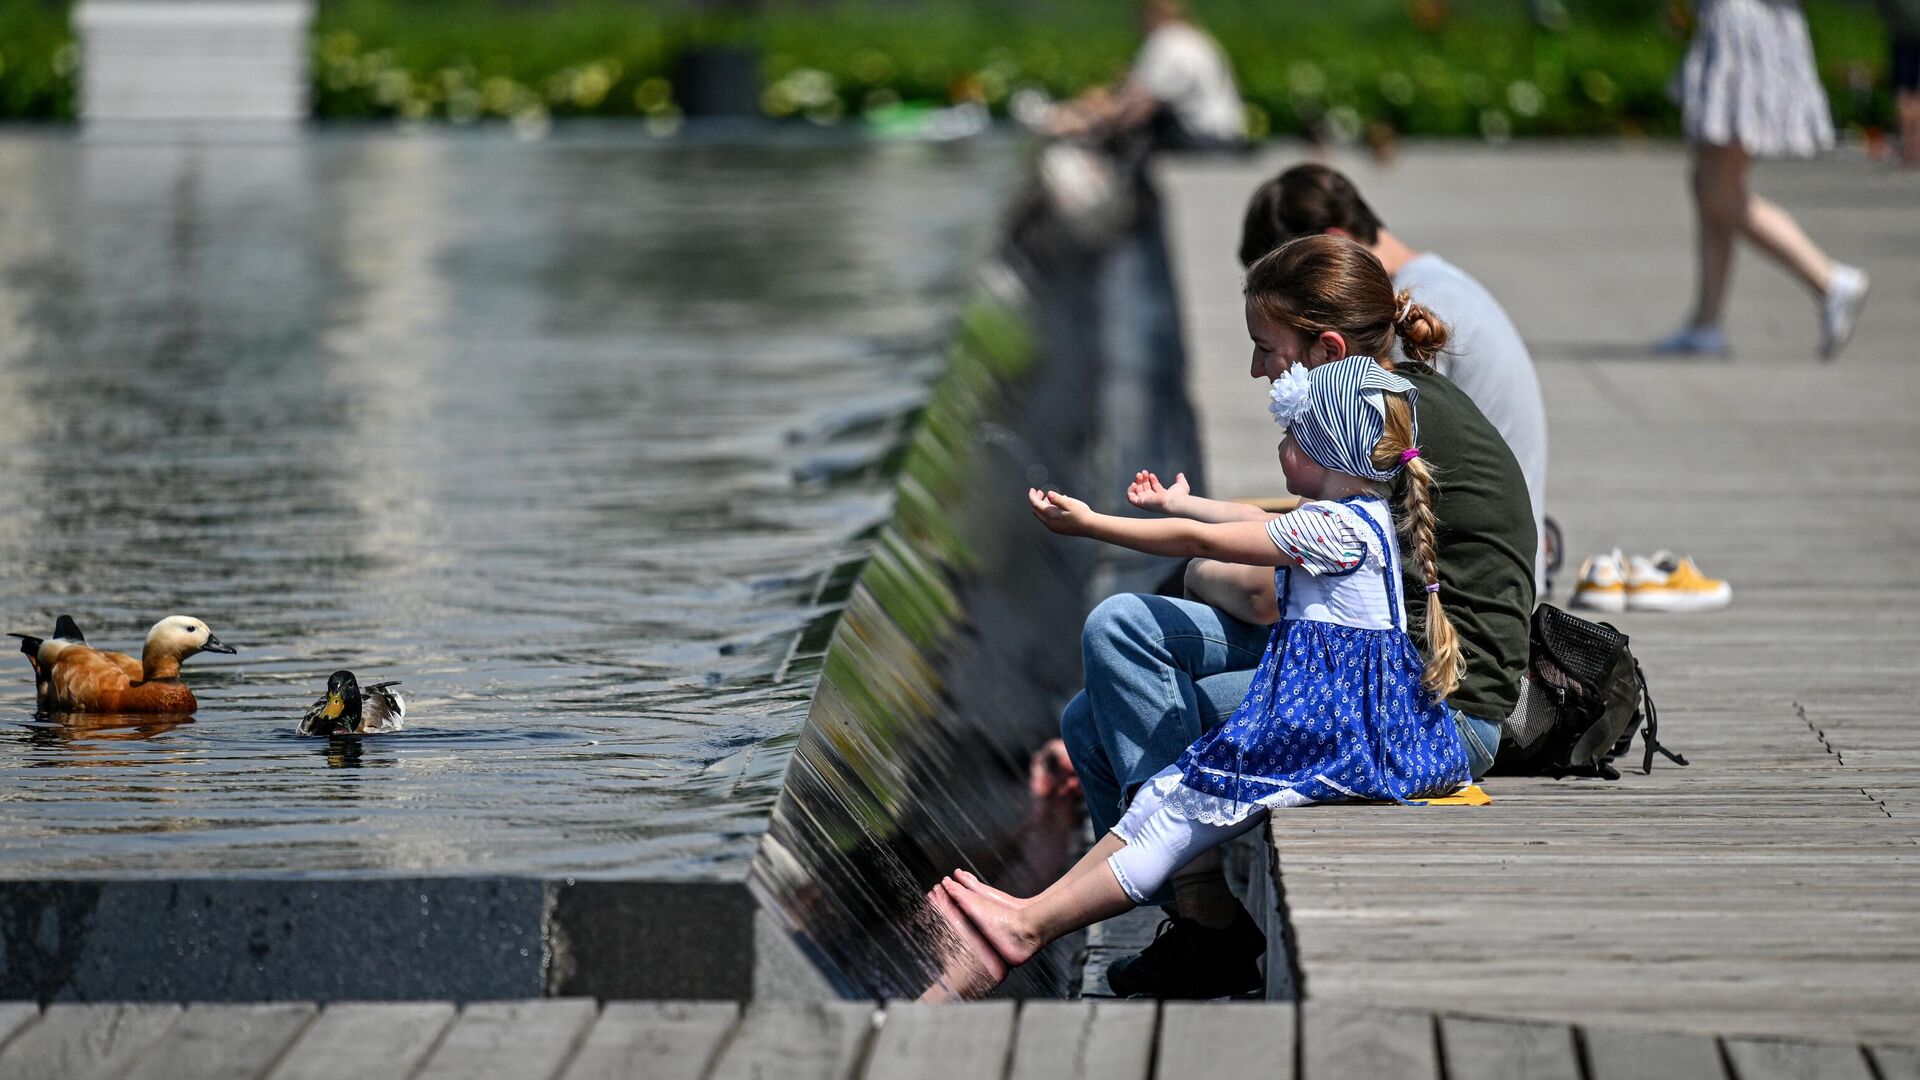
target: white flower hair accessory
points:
(1291, 396)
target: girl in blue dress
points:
(1342, 706)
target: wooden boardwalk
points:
(1774, 886)
(572, 1039)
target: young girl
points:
(1342, 705)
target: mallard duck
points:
(72, 676)
(348, 708)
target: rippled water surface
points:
(569, 437)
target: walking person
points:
(1343, 704)
(1748, 89)
(1180, 89)
(1902, 19)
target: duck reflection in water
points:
(66, 728)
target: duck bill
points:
(214, 644)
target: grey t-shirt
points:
(1486, 358)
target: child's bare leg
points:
(1073, 902)
(1094, 859)
(969, 965)
(972, 883)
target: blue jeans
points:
(1482, 738)
(1160, 673)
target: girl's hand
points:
(1063, 514)
(1147, 493)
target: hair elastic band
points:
(1409, 454)
(1406, 308)
(1435, 587)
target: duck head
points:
(175, 638)
(342, 709)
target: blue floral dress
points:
(1335, 712)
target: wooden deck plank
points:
(366, 1041)
(1896, 1062)
(797, 1041)
(660, 1040)
(1237, 1039)
(940, 1042)
(1084, 1040)
(1508, 1050)
(15, 1015)
(223, 1042)
(75, 1042)
(1628, 1054)
(510, 1040)
(1680, 897)
(1782, 1059)
(1338, 1042)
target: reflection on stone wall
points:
(960, 638)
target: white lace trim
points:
(1207, 809)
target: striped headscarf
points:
(1336, 412)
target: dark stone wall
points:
(960, 640)
(460, 939)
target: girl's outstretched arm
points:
(1178, 500)
(1230, 541)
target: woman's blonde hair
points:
(1325, 282)
(1445, 663)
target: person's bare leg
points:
(1906, 105)
(1067, 905)
(972, 883)
(969, 965)
(1774, 231)
(1094, 859)
(1719, 203)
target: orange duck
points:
(71, 676)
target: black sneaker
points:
(1190, 962)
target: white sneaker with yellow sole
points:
(1669, 582)
(1603, 583)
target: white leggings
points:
(1160, 842)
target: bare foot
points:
(1002, 926)
(974, 884)
(970, 966)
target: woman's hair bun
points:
(1422, 335)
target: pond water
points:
(565, 436)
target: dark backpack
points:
(1582, 701)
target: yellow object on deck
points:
(1471, 795)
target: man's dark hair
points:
(1304, 201)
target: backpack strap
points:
(1649, 732)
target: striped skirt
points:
(1749, 80)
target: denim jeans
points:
(1482, 738)
(1160, 673)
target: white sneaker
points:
(1669, 582)
(1603, 583)
(1840, 311)
(1693, 341)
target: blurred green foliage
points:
(1489, 68)
(38, 61)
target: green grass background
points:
(1486, 68)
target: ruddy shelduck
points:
(72, 676)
